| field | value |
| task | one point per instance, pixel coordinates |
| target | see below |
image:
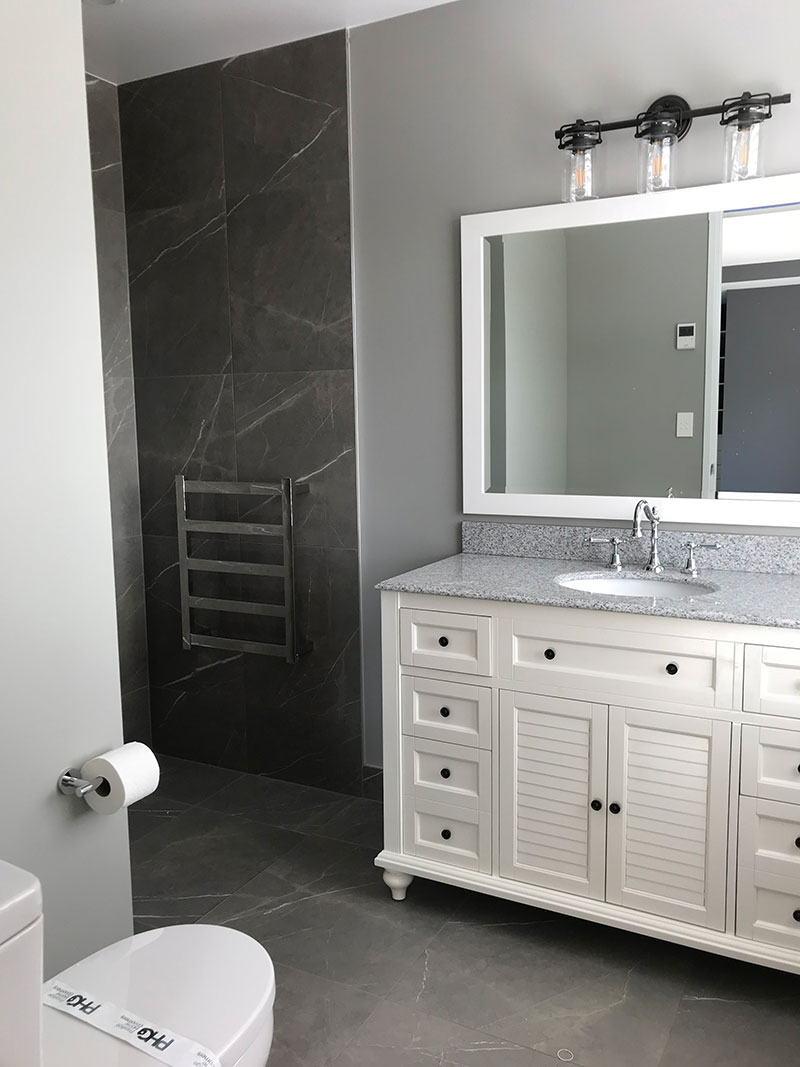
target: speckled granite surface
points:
(736, 596)
(737, 552)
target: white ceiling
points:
(130, 39)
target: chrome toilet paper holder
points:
(70, 784)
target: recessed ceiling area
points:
(125, 40)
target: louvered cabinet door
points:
(552, 766)
(668, 783)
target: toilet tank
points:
(20, 967)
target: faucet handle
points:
(691, 563)
(615, 563)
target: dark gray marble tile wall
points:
(237, 202)
(112, 268)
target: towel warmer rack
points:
(286, 488)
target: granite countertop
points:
(737, 596)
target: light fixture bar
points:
(686, 115)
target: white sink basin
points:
(624, 585)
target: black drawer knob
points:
(672, 668)
(614, 809)
(445, 772)
(597, 805)
(444, 642)
(797, 842)
(444, 712)
(447, 835)
(549, 653)
(798, 768)
(796, 915)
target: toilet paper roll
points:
(129, 773)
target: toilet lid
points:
(211, 984)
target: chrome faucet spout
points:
(651, 514)
(636, 531)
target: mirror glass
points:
(649, 357)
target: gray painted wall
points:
(59, 668)
(123, 465)
(535, 271)
(627, 381)
(453, 112)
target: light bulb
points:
(578, 181)
(657, 134)
(743, 156)
(660, 170)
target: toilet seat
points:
(208, 983)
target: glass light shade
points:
(744, 156)
(578, 178)
(657, 168)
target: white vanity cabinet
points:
(636, 770)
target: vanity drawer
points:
(452, 835)
(771, 764)
(446, 641)
(772, 680)
(676, 669)
(447, 774)
(768, 908)
(769, 837)
(447, 711)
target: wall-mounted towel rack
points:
(291, 648)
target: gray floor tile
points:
(151, 814)
(622, 1019)
(356, 820)
(298, 807)
(189, 782)
(276, 803)
(315, 1018)
(735, 1014)
(490, 965)
(198, 859)
(397, 1036)
(323, 908)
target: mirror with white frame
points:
(639, 346)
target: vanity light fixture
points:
(743, 117)
(658, 130)
(579, 139)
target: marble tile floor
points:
(446, 977)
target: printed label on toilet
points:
(156, 1041)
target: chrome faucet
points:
(651, 514)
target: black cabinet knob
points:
(672, 668)
(444, 712)
(444, 642)
(614, 809)
(445, 772)
(796, 915)
(596, 805)
(797, 842)
(549, 653)
(446, 835)
(798, 768)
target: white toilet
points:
(213, 985)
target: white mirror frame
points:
(761, 192)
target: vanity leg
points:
(398, 883)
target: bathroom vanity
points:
(630, 760)
(616, 738)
